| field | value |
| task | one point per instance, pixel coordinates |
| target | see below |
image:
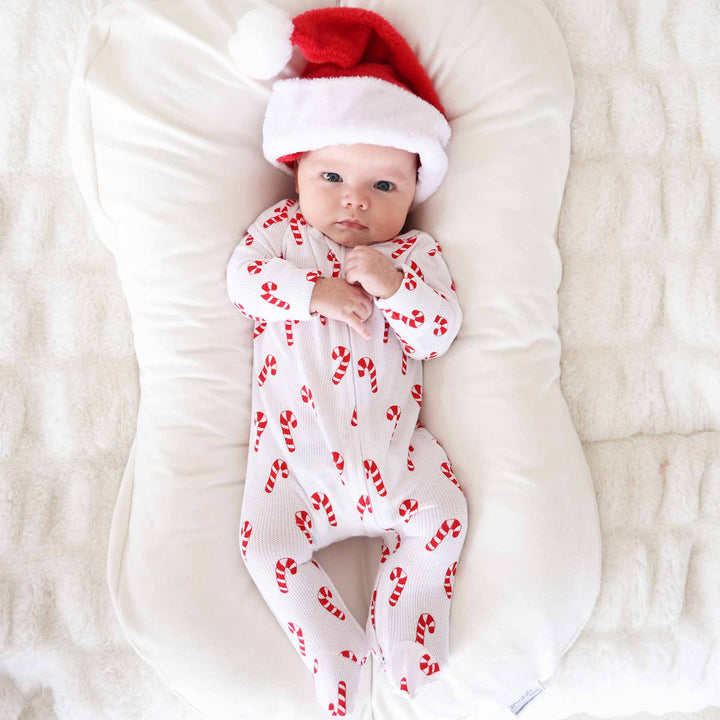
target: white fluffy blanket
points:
(639, 321)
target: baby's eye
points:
(384, 185)
(331, 177)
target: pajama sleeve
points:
(264, 286)
(424, 312)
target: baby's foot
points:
(409, 668)
(337, 681)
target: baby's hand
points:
(335, 298)
(373, 270)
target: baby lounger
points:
(165, 140)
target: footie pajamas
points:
(336, 451)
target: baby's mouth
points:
(352, 224)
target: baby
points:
(346, 307)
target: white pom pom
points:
(261, 44)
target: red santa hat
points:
(362, 84)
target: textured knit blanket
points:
(639, 306)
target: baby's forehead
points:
(379, 157)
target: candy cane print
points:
(404, 364)
(404, 685)
(352, 656)
(260, 425)
(315, 666)
(282, 566)
(401, 576)
(297, 631)
(441, 323)
(384, 553)
(372, 609)
(339, 461)
(245, 533)
(410, 465)
(319, 499)
(417, 394)
(295, 229)
(437, 292)
(409, 281)
(336, 264)
(259, 329)
(313, 276)
(404, 245)
(344, 355)
(249, 240)
(366, 363)
(393, 413)
(363, 504)
(448, 473)
(386, 331)
(448, 576)
(353, 419)
(277, 218)
(371, 471)
(408, 508)
(287, 420)
(256, 266)
(341, 706)
(425, 622)
(436, 249)
(451, 525)
(270, 365)
(398, 539)
(417, 270)
(307, 397)
(304, 522)
(269, 287)
(289, 331)
(324, 595)
(428, 666)
(279, 466)
(246, 313)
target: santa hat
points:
(362, 84)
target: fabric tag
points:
(529, 694)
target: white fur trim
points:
(261, 44)
(308, 114)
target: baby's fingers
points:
(355, 321)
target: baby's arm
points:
(264, 286)
(424, 312)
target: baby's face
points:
(370, 184)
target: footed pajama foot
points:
(337, 681)
(409, 668)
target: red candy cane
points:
(451, 525)
(277, 218)
(259, 329)
(404, 245)
(363, 504)
(260, 425)
(279, 466)
(408, 508)
(304, 522)
(269, 287)
(324, 595)
(386, 331)
(295, 221)
(344, 355)
(339, 461)
(352, 656)
(441, 323)
(401, 576)
(428, 666)
(336, 263)
(353, 419)
(319, 499)
(404, 364)
(282, 566)
(366, 363)
(371, 471)
(448, 473)
(289, 331)
(256, 266)
(410, 465)
(307, 397)
(297, 631)
(448, 575)
(245, 533)
(341, 702)
(426, 622)
(393, 413)
(404, 685)
(372, 609)
(417, 319)
(437, 248)
(270, 365)
(249, 239)
(417, 391)
(287, 420)
(384, 553)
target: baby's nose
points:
(355, 197)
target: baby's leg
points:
(277, 544)
(410, 611)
